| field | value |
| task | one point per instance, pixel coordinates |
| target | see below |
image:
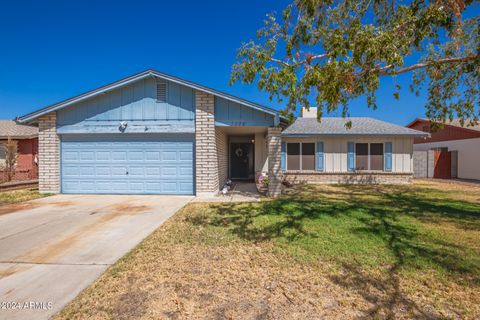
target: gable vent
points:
(161, 91)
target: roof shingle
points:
(337, 126)
(10, 128)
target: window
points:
(369, 156)
(361, 156)
(308, 156)
(293, 156)
(301, 156)
(376, 156)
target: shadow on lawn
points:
(384, 215)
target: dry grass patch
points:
(319, 252)
(19, 195)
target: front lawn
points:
(316, 252)
(19, 195)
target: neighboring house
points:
(153, 133)
(26, 137)
(455, 149)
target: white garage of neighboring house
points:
(450, 152)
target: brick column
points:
(48, 154)
(205, 145)
(274, 142)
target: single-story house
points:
(454, 149)
(26, 137)
(370, 151)
(154, 133)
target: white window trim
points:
(300, 161)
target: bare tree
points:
(11, 156)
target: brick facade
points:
(274, 144)
(26, 167)
(48, 154)
(206, 160)
(348, 178)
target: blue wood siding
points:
(136, 104)
(351, 156)
(388, 156)
(229, 113)
(127, 164)
(320, 156)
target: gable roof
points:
(14, 130)
(336, 126)
(142, 75)
(454, 123)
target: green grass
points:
(401, 227)
(20, 195)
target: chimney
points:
(311, 113)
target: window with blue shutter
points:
(319, 156)
(388, 156)
(283, 157)
(351, 157)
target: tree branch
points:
(315, 57)
(384, 71)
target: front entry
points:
(241, 160)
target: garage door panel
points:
(87, 155)
(102, 171)
(153, 171)
(85, 185)
(136, 172)
(169, 172)
(169, 156)
(154, 165)
(136, 156)
(119, 156)
(152, 155)
(185, 187)
(185, 155)
(103, 156)
(70, 155)
(169, 186)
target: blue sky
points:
(52, 50)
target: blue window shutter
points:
(388, 156)
(351, 156)
(319, 156)
(283, 158)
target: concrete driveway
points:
(52, 248)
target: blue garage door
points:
(127, 164)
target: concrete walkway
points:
(53, 248)
(240, 192)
